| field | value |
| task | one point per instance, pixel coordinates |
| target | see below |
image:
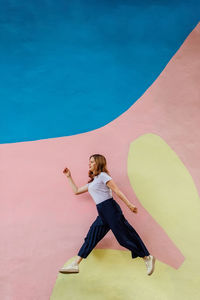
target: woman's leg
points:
(142, 251)
(79, 259)
(130, 239)
(96, 232)
(127, 237)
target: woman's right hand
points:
(67, 172)
(133, 208)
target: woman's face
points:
(92, 164)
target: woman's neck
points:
(95, 174)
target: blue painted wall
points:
(69, 67)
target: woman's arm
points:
(75, 189)
(82, 189)
(112, 185)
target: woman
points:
(110, 216)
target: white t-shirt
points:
(98, 188)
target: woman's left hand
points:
(132, 207)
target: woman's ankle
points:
(78, 260)
(146, 257)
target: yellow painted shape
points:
(112, 275)
(166, 190)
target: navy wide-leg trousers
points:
(111, 218)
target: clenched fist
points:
(133, 208)
(67, 172)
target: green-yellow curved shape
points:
(112, 275)
(166, 189)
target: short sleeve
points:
(105, 177)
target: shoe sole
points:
(68, 272)
(154, 260)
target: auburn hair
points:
(101, 164)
